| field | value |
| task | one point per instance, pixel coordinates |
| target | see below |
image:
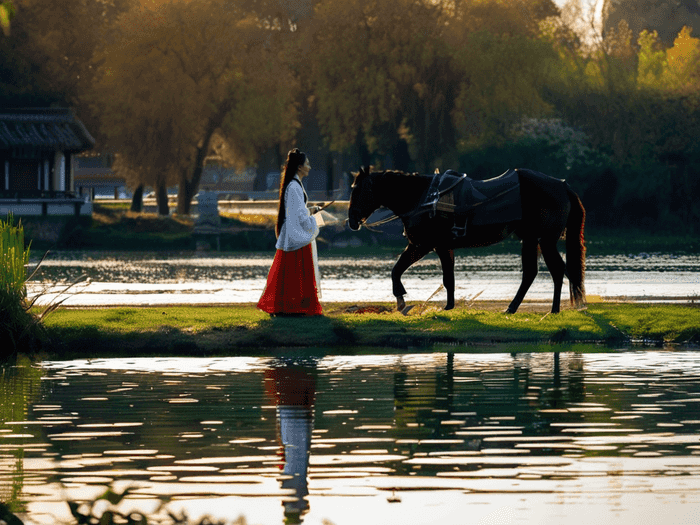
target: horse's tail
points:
(576, 250)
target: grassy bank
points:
(242, 329)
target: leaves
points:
(7, 12)
(13, 259)
(191, 70)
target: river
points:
(537, 437)
(123, 278)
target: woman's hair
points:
(295, 159)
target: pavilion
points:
(37, 148)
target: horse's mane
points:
(396, 172)
(386, 172)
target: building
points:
(93, 176)
(37, 147)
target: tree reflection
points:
(291, 385)
(19, 384)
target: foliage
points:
(639, 114)
(13, 259)
(427, 75)
(20, 323)
(7, 13)
(190, 70)
(429, 84)
(15, 322)
(394, 83)
(94, 513)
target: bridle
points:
(380, 222)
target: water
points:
(195, 278)
(438, 438)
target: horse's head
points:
(363, 200)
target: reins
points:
(417, 209)
(380, 222)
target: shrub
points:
(18, 327)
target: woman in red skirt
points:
(293, 284)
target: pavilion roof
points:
(43, 128)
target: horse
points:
(549, 208)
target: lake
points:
(121, 278)
(571, 437)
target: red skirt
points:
(291, 284)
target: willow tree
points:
(180, 73)
(382, 75)
(426, 74)
(505, 58)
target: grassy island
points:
(345, 328)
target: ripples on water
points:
(173, 268)
(414, 438)
(156, 278)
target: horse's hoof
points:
(449, 307)
(400, 304)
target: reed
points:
(17, 325)
(13, 259)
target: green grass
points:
(239, 329)
(18, 327)
(669, 323)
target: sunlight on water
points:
(194, 278)
(611, 436)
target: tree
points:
(46, 60)
(382, 74)
(651, 60)
(683, 62)
(7, 13)
(420, 73)
(505, 60)
(181, 72)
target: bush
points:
(19, 329)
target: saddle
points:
(491, 201)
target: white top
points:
(300, 227)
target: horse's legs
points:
(447, 261)
(410, 255)
(529, 259)
(557, 268)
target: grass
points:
(242, 329)
(18, 327)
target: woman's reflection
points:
(292, 387)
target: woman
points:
(293, 283)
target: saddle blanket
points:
(491, 201)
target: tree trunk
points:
(162, 200)
(137, 200)
(187, 188)
(184, 194)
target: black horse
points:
(549, 208)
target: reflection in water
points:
(554, 437)
(292, 386)
(19, 385)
